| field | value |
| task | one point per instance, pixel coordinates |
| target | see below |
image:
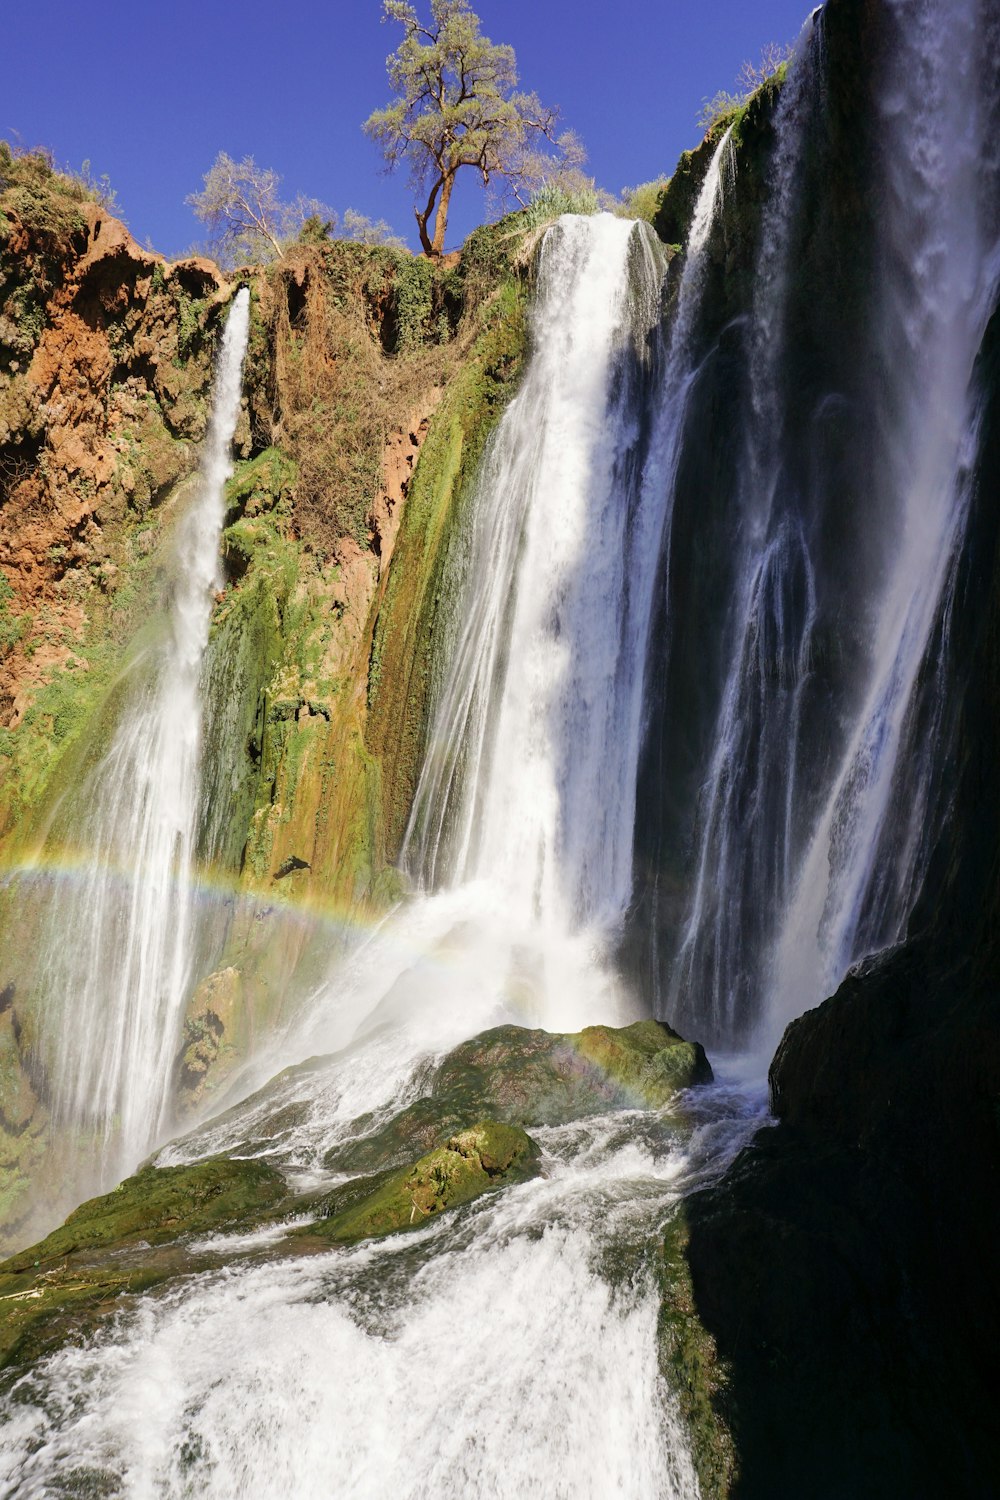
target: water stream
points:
(117, 966)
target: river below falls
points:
(507, 1349)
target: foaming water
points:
(508, 1350)
(512, 1348)
(117, 963)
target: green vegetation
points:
(466, 1137)
(43, 196)
(457, 106)
(11, 628)
(642, 202)
(412, 628)
(726, 104)
(691, 1365)
(751, 135)
(529, 1079)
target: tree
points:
(457, 106)
(246, 219)
(749, 79)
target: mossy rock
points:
(691, 1365)
(158, 1204)
(487, 1156)
(535, 1078)
(109, 1247)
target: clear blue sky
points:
(150, 93)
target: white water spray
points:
(532, 758)
(528, 788)
(118, 966)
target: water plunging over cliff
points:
(118, 963)
(544, 705)
(529, 780)
(794, 796)
(696, 713)
(937, 262)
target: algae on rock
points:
(480, 1159)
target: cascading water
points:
(937, 290)
(747, 803)
(119, 953)
(529, 783)
(847, 504)
(541, 712)
(706, 574)
(528, 789)
(542, 715)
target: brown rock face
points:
(402, 450)
(105, 365)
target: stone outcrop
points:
(105, 369)
(481, 1159)
(534, 1078)
(465, 1138)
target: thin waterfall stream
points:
(118, 965)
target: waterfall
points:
(529, 779)
(118, 962)
(847, 502)
(697, 708)
(747, 802)
(937, 290)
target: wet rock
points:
(108, 1247)
(487, 1156)
(531, 1078)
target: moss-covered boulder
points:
(534, 1078)
(479, 1160)
(158, 1204)
(109, 1246)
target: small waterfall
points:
(748, 802)
(118, 962)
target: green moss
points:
(411, 631)
(486, 1156)
(413, 297)
(84, 1265)
(264, 484)
(156, 1205)
(11, 626)
(68, 725)
(533, 1078)
(691, 1366)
